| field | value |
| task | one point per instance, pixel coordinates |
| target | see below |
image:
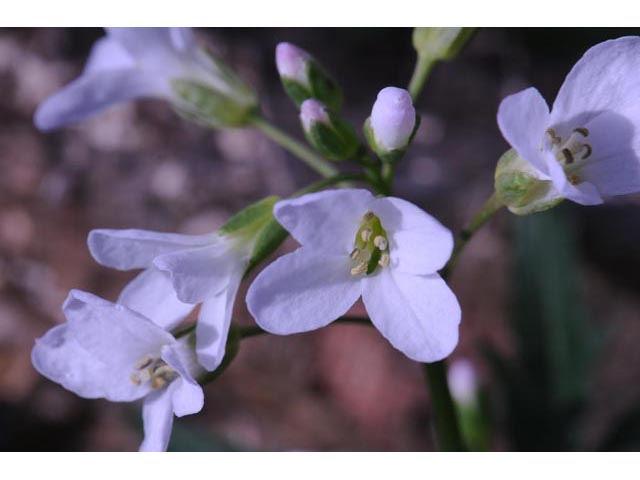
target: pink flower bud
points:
(393, 118)
(291, 62)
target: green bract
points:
(440, 43)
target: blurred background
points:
(551, 303)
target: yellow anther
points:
(365, 234)
(163, 370)
(359, 269)
(158, 382)
(568, 156)
(380, 242)
(573, 179)
(582, 131)
(135, 380)
(355, 253)
(384, 260)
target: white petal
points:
(152, 295)
(393, 118)
(157, 417)
(302, 291)
(523, 119)
(583, 193)
(327, 221)
(107, 54)
(187, 396)
(200, 273)
(418, 314)
(418, 242)
(60, 358)
(130, 249)
(92, 93)
(115, 336)
(605, 78)
(213, 325)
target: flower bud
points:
(216, 96)
(463, 382)
(326, 132)
(440, 43)
(303, 77)
(392, 124)
(519, 187)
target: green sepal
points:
(270, 237)
(250, 219)
(440, 43)
(296, 91)
(200, 103)
(519, 188)
(319, 85)
(336, 140)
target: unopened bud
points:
(326, 132)
(392, 124)
(463, 382)
(519, 186)
(440, 43)
(304, 78)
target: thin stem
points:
(491, 206)
(420, 74)
(445, 423)
(313, 160)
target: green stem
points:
(445, 422)
(313, 160)
(420, 74)
(491, 206)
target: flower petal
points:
(584, 193)
(523, 119)
(327, 221)
(107, 54)
(213, 325)
(187, 396)
(114, 336)
(151, 44)
(605, 78)
(419, 243)
(157, 418)
(302, 291)
(200, 273)
(92, 93)
(130, 249)
(418, 314)
(152, 295)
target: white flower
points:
(180, 271)
(110, 351)
(587, 146)
(130, 63)
(393, 118)
(353, 244)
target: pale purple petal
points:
(393, 118)
(302, 291)
(187, 396)
(327, 221)
(418, 242)
(157, 418)
(151, 294)
(523, 119)
(131, 249)
(418, 314)
(107, 54)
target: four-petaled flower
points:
(587, 147)
(386, 250)
(130, 63)
(179, 272)
(111, 351)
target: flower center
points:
(153, 369)
(570, 153)
(370, 248)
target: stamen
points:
(158, 382)
(368, 216)
(582, 131)
(588, 151)
(355, 253)
(568, 156)
(365, 234)
(555, 140)
(144, 362)
(359, 269)
(380, 242)
(384, 260)
(135, 380)
(145, 375)
(573, 179)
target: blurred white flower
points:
(385, 249)
(463, 381)
(110, 351)
(587, 147)
(131, 63)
